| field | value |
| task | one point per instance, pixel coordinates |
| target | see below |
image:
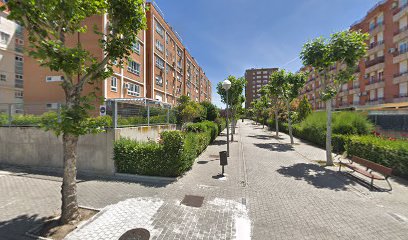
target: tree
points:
(235, 97)
(286, 86)
(211, 110)
(304, 109)
(274, 101)
(189, 111)
(49, 24)
(341, 52)
(260, 107)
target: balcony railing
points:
(401, 95)
(375, 61)
(375, 44)
(401, 74)
(400, 51)
(399, 9)
(403, 29)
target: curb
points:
(142, 178)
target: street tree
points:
(235, 97)
(304, 109)
(286, 86)
(261, 109)
(335, 61)
(50, 24)
(274, 103)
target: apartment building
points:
(156, 69)
(381, 79)
(11, 64)
(172, 70)
(256, 79)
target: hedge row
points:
(393, 154)
(172, 156)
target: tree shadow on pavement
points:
(277, 147)
(261, 137)
(317, 176)
(16, 228)
(219, 143)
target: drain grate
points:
(193, 201)
(136, 234)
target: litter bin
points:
(223, 158)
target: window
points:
(4, 37)
(159, 97)
(159, 81)
(18, 94)
(356, 99)
(380, 19)
(133, 90)
(372, 25)
(160, 63)
(403, 89)
(403, 47)
(114, 84)
(403, 67)
(159, 29)
(159, 46)
(3, 77)
(134, 67)
(54, 78)
(380, 93)
(136, 47)
(380, 38)
(380, 76)
(372, 95)
(19, 83)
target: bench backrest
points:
(373, 166)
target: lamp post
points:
(227, 85)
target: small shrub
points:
(26, 120)
(3, 119)
(196, 127)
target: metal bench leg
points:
(389, 184)
(339, 167)
(372, 183)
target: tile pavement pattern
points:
(286, 194)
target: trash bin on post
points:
(223, 160)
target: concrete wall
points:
(33, 147)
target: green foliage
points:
(221, 123)
(3, 119)
(26, 120)
(211, 110)
(171, 157)
(393, 154)
(304, 109)
(189, 111)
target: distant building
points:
(256, 78)
(11, 63)
(382, 76)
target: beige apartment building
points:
(172, 71)
(11, 64)
(256, 78)
(382, 76)
(156, 69)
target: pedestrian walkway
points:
(272, 190)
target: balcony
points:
(375, 64)
(400, 55)
(355, 103)
(400, 77)
(375, 47)
(400, 12)
(355, 88)
(374, 83)
(400, 34)
(377, 28)
(402, 97)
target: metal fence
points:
(120, 112)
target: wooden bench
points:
(369, 169)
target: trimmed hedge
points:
(171, 157)
(393, 154)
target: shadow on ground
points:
(277, 147)
(15, 229)
(219, 142)
(261, 137)
(317, 176)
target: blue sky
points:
(228, 36)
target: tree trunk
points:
(329, 159)
(289, 122)
(276, 123)
(69, 208)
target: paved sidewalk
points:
(278, 189)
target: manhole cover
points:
(193, 201)
(136, 234)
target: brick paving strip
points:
(272, 191)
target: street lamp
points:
(227, 85)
